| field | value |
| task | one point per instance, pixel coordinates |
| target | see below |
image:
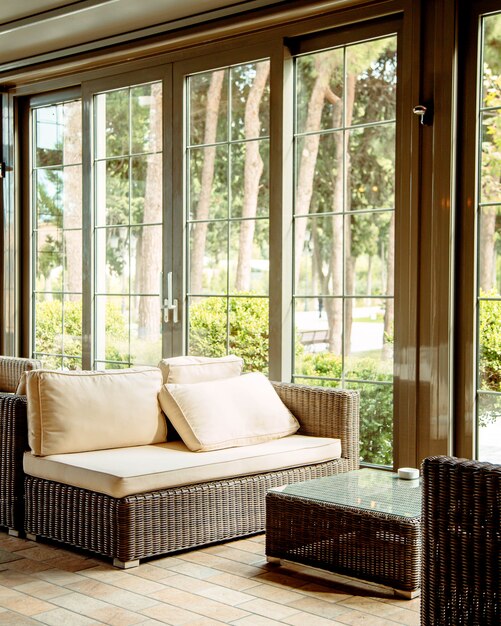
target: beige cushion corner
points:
(199, 369)
(237, 411)
(81, 411)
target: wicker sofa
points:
(160, 521)
(12, 440)
(461, 544)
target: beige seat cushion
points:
(199, 369)
(237, 411)
(79, 411)
(127, 471)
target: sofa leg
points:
(31, 537)
(13, 532)
(125, 564)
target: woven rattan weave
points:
(364, 524)
(11, 369)
(148, 524)
(461, 543)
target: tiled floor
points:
(223, 584)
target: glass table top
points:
(369, 489)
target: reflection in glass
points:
(250, 166)
(208, 107)
(489, 251)
(208, 186)
(370, 253)
(250, 98)
(212, 269)
(319, 177)
(371, 75)
(319, 90)
(371, 155)
(319, 266)
(490, 174)
(249, 257)
(376, 422)
(489, 427)
(248, 332)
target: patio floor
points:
(224, 584)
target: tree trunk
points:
(253, 169)
(199, 229)
(149, 246)
(487, 250)
(309, 153)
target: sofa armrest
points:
(13, 444)
(11, 369)
(325, 412)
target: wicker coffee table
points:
(364, 524)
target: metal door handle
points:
(170, 304)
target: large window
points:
(227, 209)
(344, 224)
(489, 245)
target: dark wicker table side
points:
(364, 524)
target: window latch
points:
(3, 169)
(170, 304)
(425, 114)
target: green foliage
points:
(490, 345)
(55, 336)
(239, 326)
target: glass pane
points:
(319, 90)
(492, 61)
(146, 259)
(146, 106)
(370, 254)
(208, 257)
(58, 134)
(490, 175)
(313, 354)
(146, 189)
(112, 328)
(318, 382)
(48, 324)
(112, 124)
(208, 187)
(250, 179)
(319, 255)
(72, 275)
(319, 174)
(208, 326)
(249, 257)
(71, 196)
(489, 427)
(72, 328)
(489, 340)
(489, 251)
(112, 260)
(146, 336)
(368, 348)
(49, 260)
(371, 156)
(250, 98)
(376, 422)
(371, 77)
(49, 207)
(71, 363)
(208, 106)
(112, 192)
(249, 331)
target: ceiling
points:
(37, 28)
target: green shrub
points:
(490, 345)
(50, 337)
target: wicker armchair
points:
(13, 439)
(461, 560)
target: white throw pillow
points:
(236, 411)
(82, 411)
(199, 369)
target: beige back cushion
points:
(236, 411)
(199, 369)
(81, 411)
